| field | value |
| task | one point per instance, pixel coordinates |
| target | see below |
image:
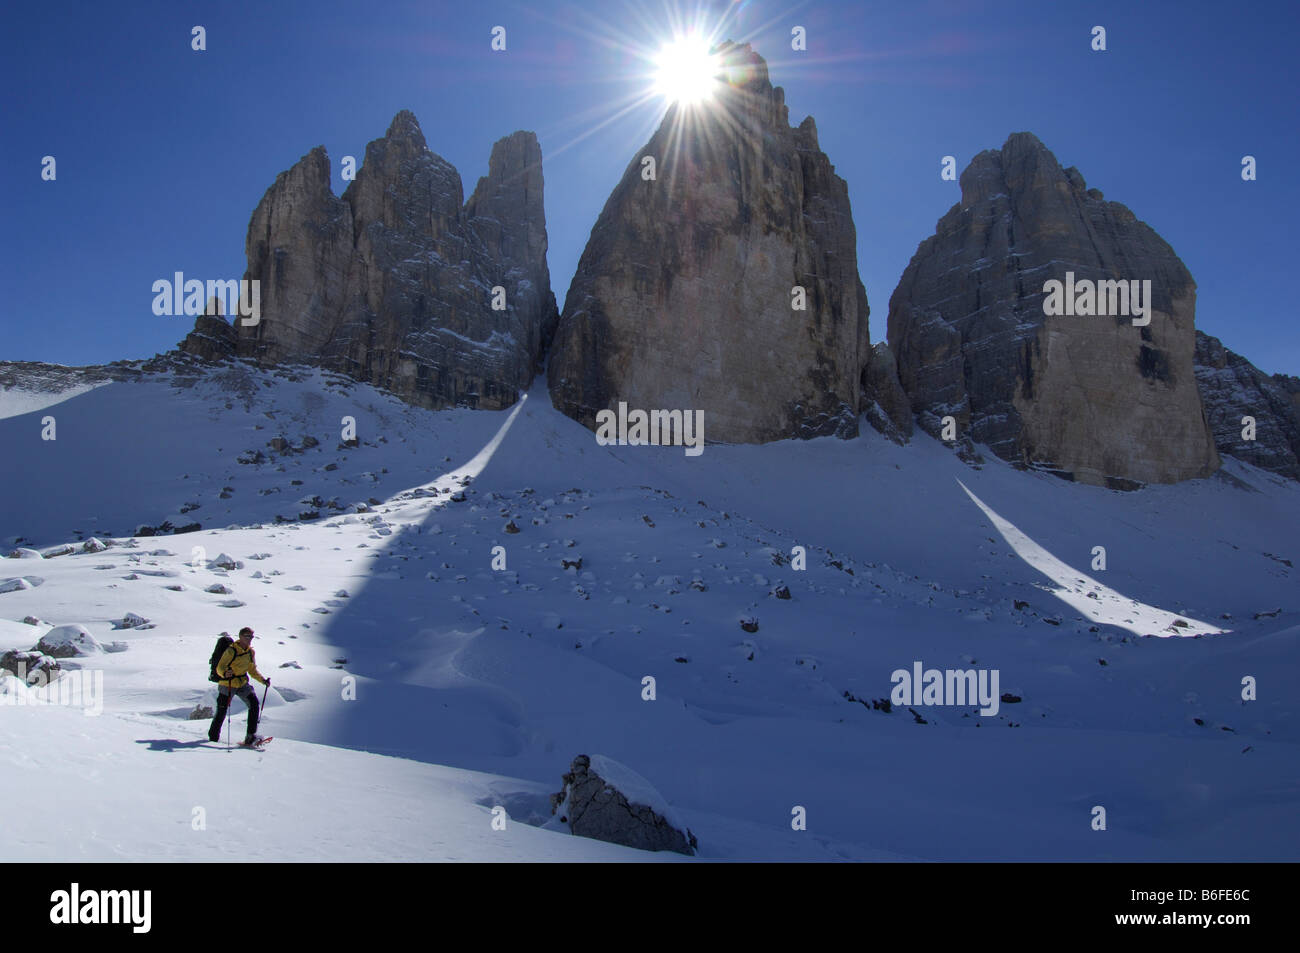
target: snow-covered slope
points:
(459, 668)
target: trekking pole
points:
(265, 689)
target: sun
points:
(686, 71)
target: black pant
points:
(249, 697)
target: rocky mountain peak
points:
(1095, 395)
(745, 92)
(406, 128)
(398, 283)
(721, 276)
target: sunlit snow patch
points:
(468, 471)
(16, 401)
(1106, 605)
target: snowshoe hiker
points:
(232, 670)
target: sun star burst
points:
(686, 71)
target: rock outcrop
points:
(30, 667)
(607, 801)
(1093, 398)
(1233, 388)
(683, 296)
(214, 338)
(393, 283)
(884, 402)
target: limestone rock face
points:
(393, 283)
(1093, 398)
(507, 214)
(299, 246)
(683, 296)
(1232, 388)
(884, 403)
(214, 338)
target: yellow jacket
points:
(236, 664)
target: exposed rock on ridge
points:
(682, 297)
(1232, 388)
(1093, 398)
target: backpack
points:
(223, 643)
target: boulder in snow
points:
(21, 553)
(69, 641)
(30, 667)
(608, 801)
(224, 561)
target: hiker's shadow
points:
(172, 744)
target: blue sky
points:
(164, 152)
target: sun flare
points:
(686, 71)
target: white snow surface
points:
(635, 788)
(17, 401)
(475, 687)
